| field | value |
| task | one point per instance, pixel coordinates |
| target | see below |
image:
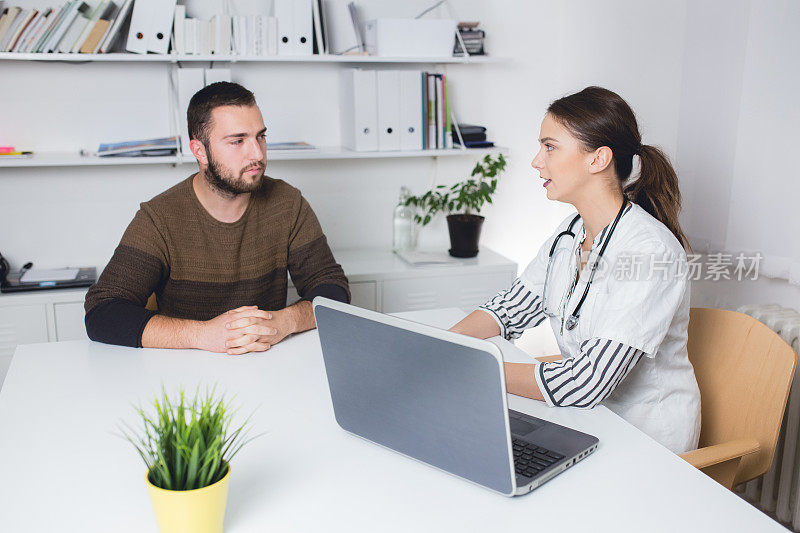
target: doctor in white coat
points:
(612, 279)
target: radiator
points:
(777, 492)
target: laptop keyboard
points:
(530, 459)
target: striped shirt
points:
(628, 350)
(581, 381)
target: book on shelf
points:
(115, 30)
(33, 29)
(25, 19)
(391, 110)
(72, 12)
(73, 32)
(149, 147)
(436, 103)
(11, 20)
(98, 29)
(293, 146)
(103, 11)
(96, 26)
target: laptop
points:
(437, 397)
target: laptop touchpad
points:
(518, 427)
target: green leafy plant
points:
(187, 445)
(465, 197)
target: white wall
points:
(737, 134)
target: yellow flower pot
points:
(190, 511)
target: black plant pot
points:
(465, 232)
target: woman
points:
(620, 319)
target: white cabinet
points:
(27, 322)
(379, 280)
(27, 318)
(464, 291)
(362, 293)
(69, 321)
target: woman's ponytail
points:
(656, 190)
(599, 117)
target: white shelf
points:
(59, 159)
(174, 58)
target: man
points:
(214, 250)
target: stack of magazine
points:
(148, 147)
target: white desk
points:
(62, 469)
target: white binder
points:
(163, 13)
(388, 85)
(410, 109)
(178, 29)
(139, 31)
(190, 80)
(271, 35)
(221, 28)
(359, 110)
(303, 22)
(284, 12)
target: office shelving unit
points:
(174, 58)
(53, 159)
(60, 159)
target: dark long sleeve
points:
(115, 305)
(311, 265)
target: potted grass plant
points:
(187, 447)
(462, 202)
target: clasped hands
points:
(246, 329)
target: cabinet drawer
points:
(69, 321)
(28, 322)
(362, 294)
(464, 292)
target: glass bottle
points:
(404, 228)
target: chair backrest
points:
(744, 371)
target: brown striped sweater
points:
(199, 267)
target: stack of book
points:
(474, 136)
(75, 27)
(148, 147)
(472, 37)
(250, 35)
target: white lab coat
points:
(660, 394)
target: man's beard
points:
(225, 182)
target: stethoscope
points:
(572, 321)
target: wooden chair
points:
(745, 371)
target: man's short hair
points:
(210, 97)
